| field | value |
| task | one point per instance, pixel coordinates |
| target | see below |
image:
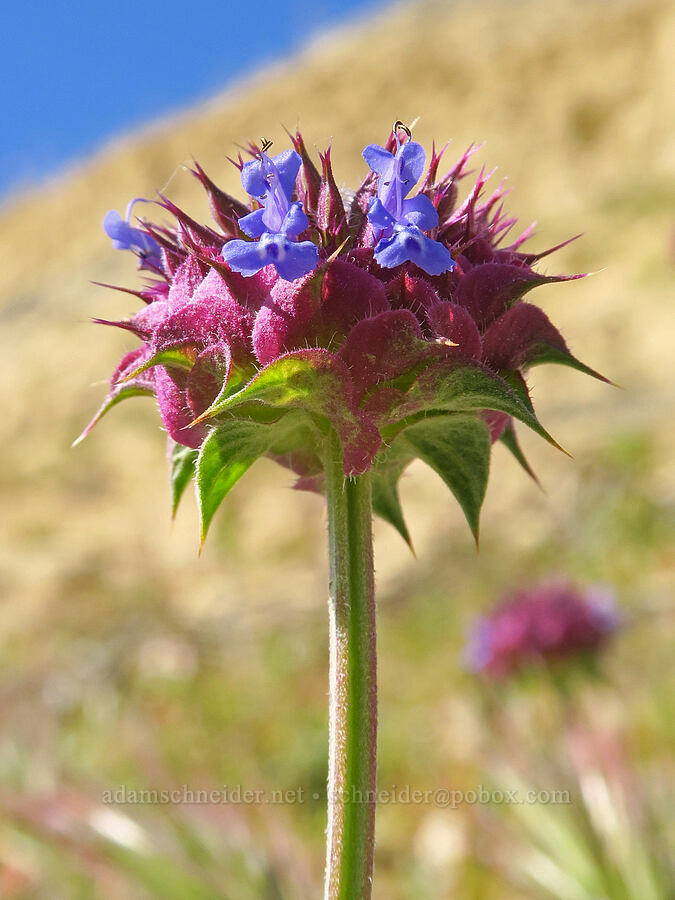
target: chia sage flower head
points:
(550, 623)
(394, 316)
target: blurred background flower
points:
(547, 624)
(126, 660)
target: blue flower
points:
(408, 243)
(275, 226)
(398, 221)
(126, 237)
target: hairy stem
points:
(353, 684)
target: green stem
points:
(353, 685)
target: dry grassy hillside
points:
(576, 103)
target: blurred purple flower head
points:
(338, 313)
(551, 622)
(126, 237)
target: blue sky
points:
(74, 74)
